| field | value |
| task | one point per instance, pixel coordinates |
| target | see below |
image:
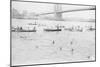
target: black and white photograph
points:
(52, 33)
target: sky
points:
(45, 8)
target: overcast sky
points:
(45, 7)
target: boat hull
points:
(24, 31)
(52, 30)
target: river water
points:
(52, 47)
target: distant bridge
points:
(58, 11)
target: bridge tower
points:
(57, 9)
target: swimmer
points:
(60, 48)
(53, 42)
(71, 42)
(72, 51)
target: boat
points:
(72, 29)
(23, 30)
(20, 29)
(26, 31)
(91, 28)
(51, 29)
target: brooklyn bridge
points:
(58, 11)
